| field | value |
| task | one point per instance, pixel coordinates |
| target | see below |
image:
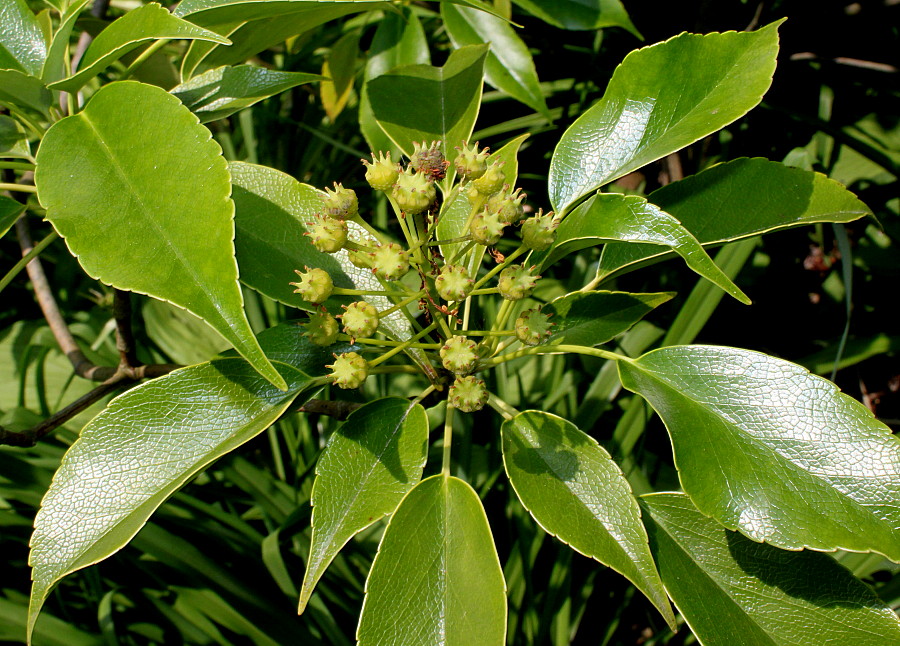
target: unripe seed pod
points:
(516, 282)
(341, 203)
(322, 328)
(471, 163)
(413, 192)
(360, 319)
(429, 160)
(381, 173)
(468, 394)
(486, 228)
(532, 327)
(349, 370)
(389, 261)
(453, 283)
(458, 355)
(492, 180)
(315, 285)
(327, 234)
(507, 204)
(539, 231)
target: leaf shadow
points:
(362, 424)
(554, 454)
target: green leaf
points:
(255, 25)
(455, 214)
(660, 99)
(725, 203)
(630, 218)
(732, 591)
(54, 67)
(370, 463)
(580, 14)
(225, 90)
(141, 449)
(766, 448)
(10, 210)
(13, 140)
(436, 580)
(592, 318)
(399, 40)
(24, 91)
(139, 26)
(509, 66)
(181, 335)
(22, 45)
(574, 490)
(340, 71)
(147, 207)
(417, 103)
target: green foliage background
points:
(222, 561)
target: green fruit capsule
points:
(486, 228)
(532, 327)
(517, 282)
(539, 231)
(458, 355)
(360, 319)
(389, 261)
(468, 394)
(429, 160)
(327, 234)
(453, 283)
(381, 173)
(492, 180)
(315, 285)
(413, 192)
(471, 163)
(362, 259)
(349, 370)
(507, 204)
(340, 203)
(321, 329)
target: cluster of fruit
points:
(446, 284)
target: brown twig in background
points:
(338, 409)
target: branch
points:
(337, 408)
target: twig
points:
(338, 408)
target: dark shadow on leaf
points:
(376, 428)
(554, 452)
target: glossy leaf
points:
(630, 218)
(255, 25)
(225, 90)
(455, 215)
(436, 580)
(734, 592)
(24, 91)
(576, 492)
(137, 27)
(416, 103)
(660, 99)
(10, 210)
(150, 441)
(22, 45)
(13, 140)
(725, 203)
(508, 66)
(398, 40)
(766, 448)
(370, 463)
(147, 207)
(54, 66)
(580, 14)
(592, 318)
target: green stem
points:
(389, 343)
(554, 349)
(403, 346)
(461, 253)
(21, 188)
(488, 290)
(448, 440)
(464, 238)
(501, 406)
(401, 304)
(424, 394)
(145, 55)
(19, 266)
(503, 265)
(341, 291)
(11, 165)
(486, 332)
(375, 233)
